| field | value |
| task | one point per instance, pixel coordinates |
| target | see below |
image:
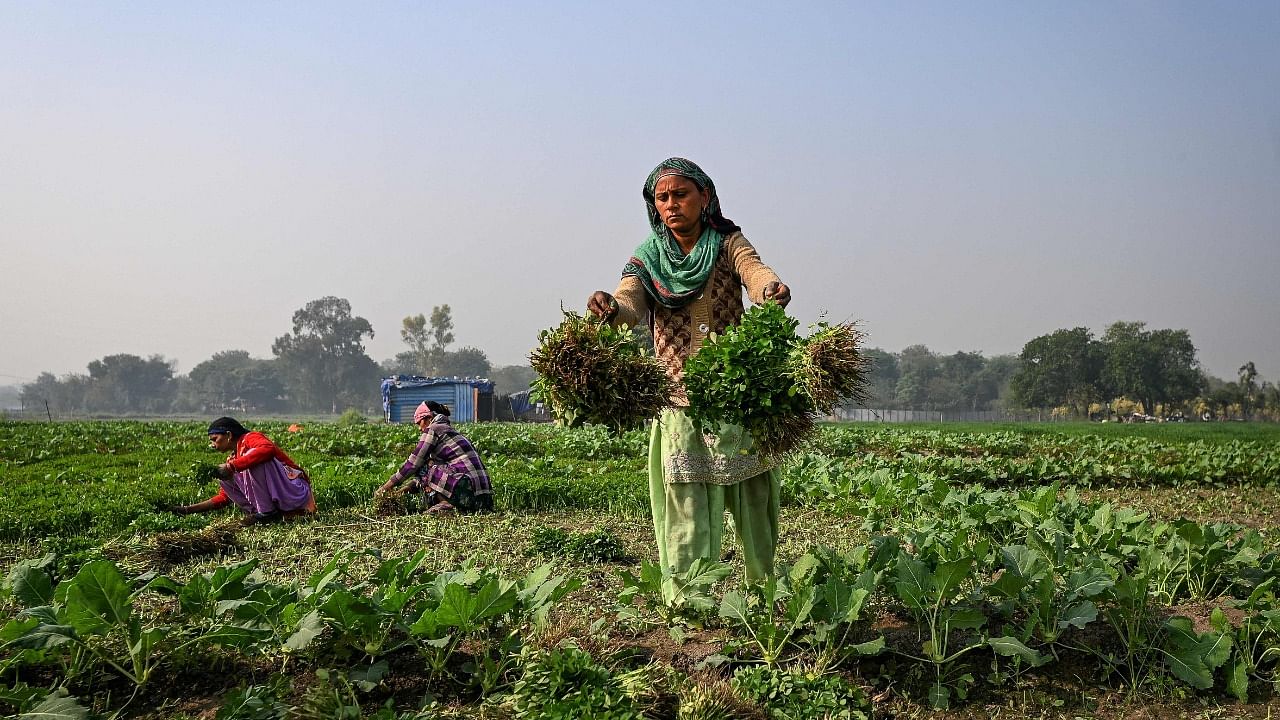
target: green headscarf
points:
(671, 277)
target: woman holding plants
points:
(686, 281)
(258, 477)
(445, 465)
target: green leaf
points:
(30, 583)
(1078, 615)
(870, 647)
(940, 696)
(913, 582)
(98, 599)
(1012, 647)
(57, 706)
(306, 631)
(950, 575)
(965, 619)
(1238, 680)
(44, 635)
(1185, 655)
(733, 606)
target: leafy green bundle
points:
(592, 372)
(762, 376)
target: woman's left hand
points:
(778, 292)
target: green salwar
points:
(693, 479)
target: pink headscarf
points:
(422, 411)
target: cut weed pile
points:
(591, 372)
(173, 547)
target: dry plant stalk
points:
(831, 367)
(591, 372)
(176, 546)
(393, 503)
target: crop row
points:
(98, 479)
(958, 589)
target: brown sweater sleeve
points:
(746, 261)
(633, 302)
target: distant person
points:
(686, 281)
(444, 465)
(259, 478)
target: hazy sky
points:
(179, 178)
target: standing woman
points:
(258, 477)
(445, 465)
(686, 281)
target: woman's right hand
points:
(602, 305)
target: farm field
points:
(964, 571)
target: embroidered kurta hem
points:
(688, 514)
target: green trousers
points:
(688, 517)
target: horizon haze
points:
(179, 179)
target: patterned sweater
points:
(678, 333)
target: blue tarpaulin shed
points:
(468, 399)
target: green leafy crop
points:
(744, 377)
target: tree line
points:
(1130, 369)
(319, 366)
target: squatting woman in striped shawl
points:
(444, 465)
(686, 281)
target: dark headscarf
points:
(227, 425)
(437, 408)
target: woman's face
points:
(221, 442)
(680, 202)
(423, 423)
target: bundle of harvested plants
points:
(401, 500)
(764, 377)
(830, 367)
(743, 377)
(591, 372)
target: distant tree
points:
(128, 383)
(1179, 375)
(883, 377)
(1152, 367)
(1222, 396)
(1248, 382)
(991, 385)
(1269, 400)
(917, 367)
(57, 393)
(441, 328)
(467, 362)
(232, 378)
(414, 333)
(509, 379)
(428, 341)
(1061, 368)
(963, 371)
(404, 363)
(323, 361)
